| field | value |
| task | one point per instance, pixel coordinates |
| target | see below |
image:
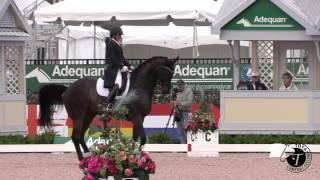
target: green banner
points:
(205, 76)
(37, 75)
(263, 15)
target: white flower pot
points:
(202, 144)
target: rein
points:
(167, 68)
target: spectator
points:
(183, 106)
(287, 85)
(255, 83)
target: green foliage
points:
(121, 113)
(269, 139)
(44, 138)
(13, 139)
(93, 128)
(212, 97)
(159, 98)
(141, 175)
(32, 97)
(160, 138)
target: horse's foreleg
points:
(76, 142)
(83, 144)
(135, 134)
(138, 132)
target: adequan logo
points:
(72, 74)
(265, 22)
(43, 77)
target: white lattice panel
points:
(11, 56)
(265, 62)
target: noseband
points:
(167, 68)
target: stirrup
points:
(109, 107)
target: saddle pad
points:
(105, 91)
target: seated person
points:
(243, 85)
(254, 84)
(287, 85)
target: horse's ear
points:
(175, 60)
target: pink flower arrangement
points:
(146, 163)
(201, 121)
(120, 157)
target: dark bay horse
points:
(83, 103)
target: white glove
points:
(124, 69)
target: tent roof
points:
(174, 37)
(131, 12)
(79, 32)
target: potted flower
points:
(201, 121)
(119, 158)
(201, 127)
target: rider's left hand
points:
(125, 69)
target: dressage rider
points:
(114, 54)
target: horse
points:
(83, 103)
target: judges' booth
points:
(284, 36)
(14, 32)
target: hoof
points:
(87, 154)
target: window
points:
(297, 64)
(10, 66)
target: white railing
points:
(274, 150)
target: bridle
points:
(167, 68)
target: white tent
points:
(137, 12)
(173, 37)
(79, 32)
(131, 11)
(75, 40)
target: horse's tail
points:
(129, 98)
(49, 95)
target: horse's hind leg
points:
(76, 136)
(85, 126)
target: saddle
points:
(123, 87)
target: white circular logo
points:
(298, 157)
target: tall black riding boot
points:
(112, 93)
(124, 82)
